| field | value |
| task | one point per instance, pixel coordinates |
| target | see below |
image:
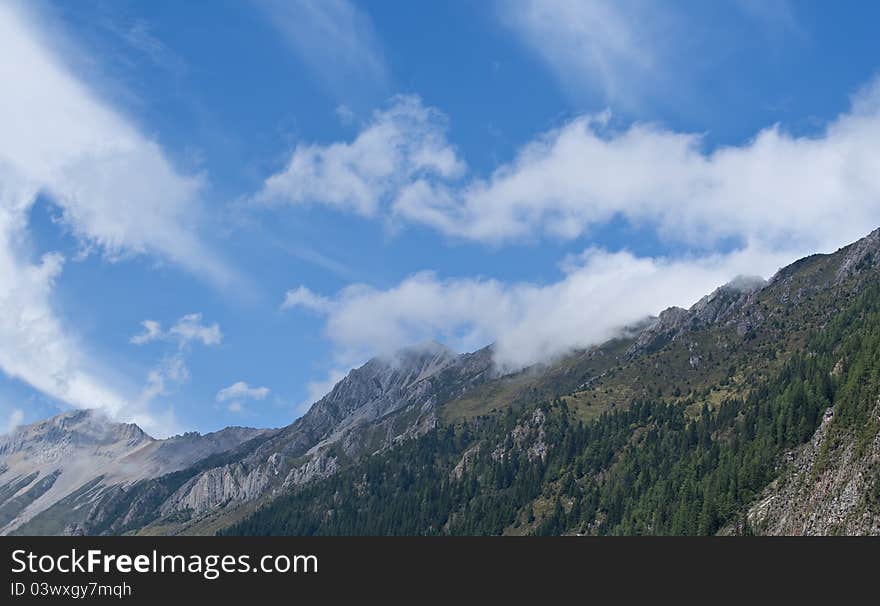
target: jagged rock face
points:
(386, 400)
(729, 303)
(215, 486)
(815, 497)
(379, 387)
(733, 303)
(396, 398)
(859, 256)
(82, 451)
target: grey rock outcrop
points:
(730, 303)
(828, 486)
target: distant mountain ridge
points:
(45, 462)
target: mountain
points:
(383, 402)
(55, 469)
(753, 411)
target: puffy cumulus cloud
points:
(777, 190)
(190, 328)
(115, 190)
(599, 294)
(238, 393)
(401, 143)
(301, 296)
(186, 330)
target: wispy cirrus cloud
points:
(335, 39)
(116, 192)
(636, 55)
(614, 48)
(115, 188)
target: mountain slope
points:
(675, 429)
(385, 401)
(752, 411)
(47, 462)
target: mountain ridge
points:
(718, 353)
(760, 364)
(82, 447)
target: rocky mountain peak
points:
(82, 455)
(407, 366)
(71, 430)
(382, 385)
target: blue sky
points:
(211, 211)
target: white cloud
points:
(170, 370)
(599, 294)
(404, 142)
(335, 39)
(238, 393)
(114, 188)
(613, 47)
(242, 391)
(305, 298)
(777, 191)
(188, 329)
(775, 198)
(36, 348)
(152, 332)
